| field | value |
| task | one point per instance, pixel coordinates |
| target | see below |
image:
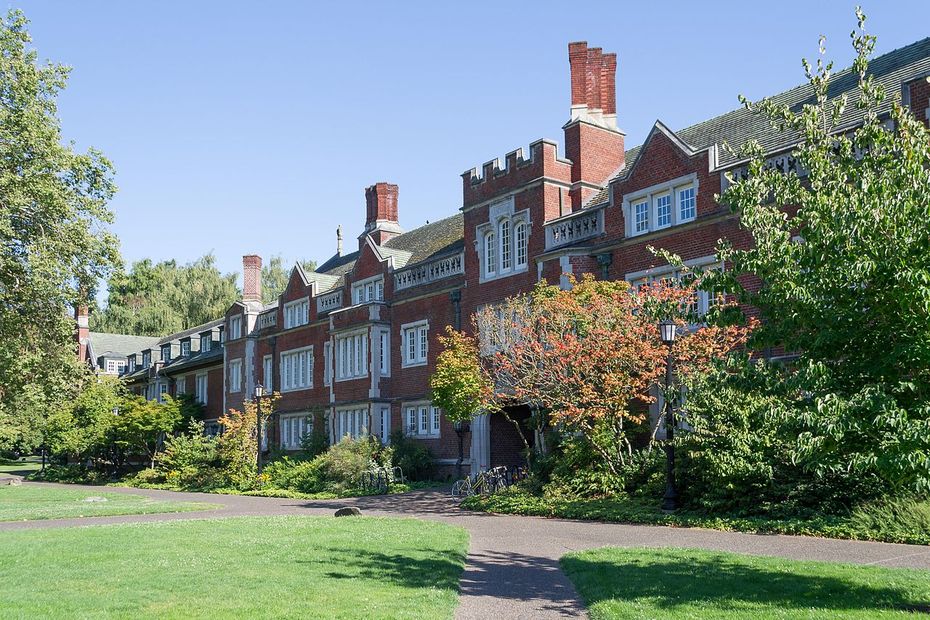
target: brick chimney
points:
(381, 221)
(251, 277)
(82, 331)
(593, 142)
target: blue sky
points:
(242, 127)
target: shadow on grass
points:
(432, 569)
(728, 583)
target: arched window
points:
(490, 254)
(506, 254)
(520, 235)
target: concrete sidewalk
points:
(512, 569)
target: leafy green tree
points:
(154, 299)
(53, 234)
(842, 257)
(275, 277)
(141, 426)
(81, 429)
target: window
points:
(267, 378)
(663, 211)
(384, 352)
(166, 353)
(200, 388)
(162, 390)
(352, 422)
(490, 253)
(415, 344)
(352, 356)
(368, 290)
(293, 430)
(132, 364)
(205, 342)
(115, 367)
(505, 245)
(687, 209)
(327, 363)
(146, 359)
(422, 420)
(235, 327)
(699, 303)
(235, 375)
(180, 386)
(520, 235)
(185, 348)
(641, 217)
(297, 369)
(385, 430)
(296, 313)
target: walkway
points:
(512, 569)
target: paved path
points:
(512, 569)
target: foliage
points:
(458, 385)
(699, 585)
(275, 277)
(589, 355)
(518, 500)
(414, 459)
(53, 231)
(837, 270)
(191, 459)
(82, 429)
(297, 475)
(154, 299)
(341, 466)
(141, 426)
(238, 445)
(316, 441)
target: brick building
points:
(352, 344)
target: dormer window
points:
(297, 313)
(205, 342)
(166, 353)
(146, 359)
(185, 348)
(132, 364)
(368, 290)
(235, 327)
(661, 206)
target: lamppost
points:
(667, 332)
(259, 392)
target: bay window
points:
(352, 355)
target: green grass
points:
(682, 583)
(22, 467)
(269, 567)
(31, 502)
(908, 521)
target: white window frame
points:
(296, 369)
(235, 375)
(201, 387)
(649, 195)
(682, 218)
(667, 198)
(501, 251)
(422, 420)
(180, 385)
(419, 332)
(235, 327)
(520, 244)
(115, 367)
(297, 313)
(368, 290)
(185, 348)
(268, 372)
(162, 390)
(384, 354)
(166, 353)
(505, 245)
(490, 254)
(641, 217)
(292, 429)
(146, 359)
(351, 355)
(206, 341)
(354, 421)
(705, 299)
(327, 363)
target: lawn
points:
(20, 467)
(32, 501)
(247, 567)
(684, 583)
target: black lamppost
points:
(259, 392)
(668, 331)
(460, 429)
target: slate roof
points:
(118, 345)
(198, 359)
(738, 126)
(192, 331)
(435, 239)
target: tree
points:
(155, 299)
(459, 387)
(53, 234)
(841, 252)
(238, 445)
(275, 277)
(81, 429)
(141, 426)
(590, 355)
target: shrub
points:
(316, 441)
(341, 466)
(903, 520)
(414, 459)
(296, 475)
(71, 474)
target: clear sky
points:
(248, 127)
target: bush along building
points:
(352, 345)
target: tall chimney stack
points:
(82, 333)
(593, 142)
(339, 240)
(381, 221)
(251, 277)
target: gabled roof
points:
(738, 126)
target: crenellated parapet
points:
(494, 178)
